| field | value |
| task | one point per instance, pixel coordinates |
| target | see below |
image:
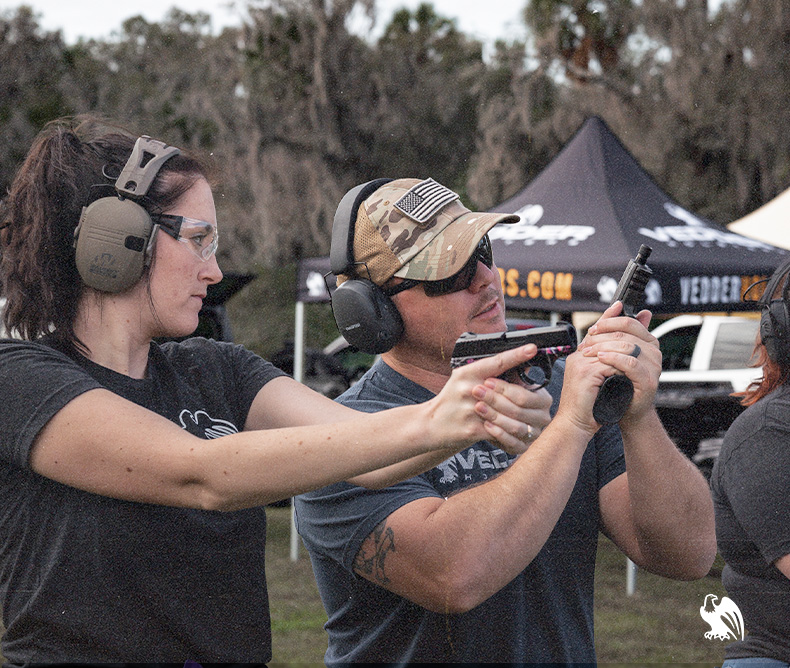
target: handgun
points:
(553, 342)
(616, 392)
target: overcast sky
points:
(484, 19)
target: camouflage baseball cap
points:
(417, 229)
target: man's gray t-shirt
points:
(544, 615)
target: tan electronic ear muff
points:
(114, 237)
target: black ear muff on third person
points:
(366, 317)
(114, 238)
(775, 318)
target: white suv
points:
(705, 359)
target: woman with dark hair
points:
(134, 474)
(750, 486)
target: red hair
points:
(774, 375)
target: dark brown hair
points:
(72, 162)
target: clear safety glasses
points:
(199, 236)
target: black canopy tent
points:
(587, 213)
(583, 217)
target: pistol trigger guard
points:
(533, 384)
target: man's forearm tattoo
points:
(370, 559)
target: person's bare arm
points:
(514, 416)
(783, 564)
(660, 511)
(661, 518)
(449, 555)
(104, 444)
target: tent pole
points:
(298, 377)
(299, 343)
(630, 577)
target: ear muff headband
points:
(775, 317)
(147, 158)
(114, 237)
(365, 316)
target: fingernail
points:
(479, 392)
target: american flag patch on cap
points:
(423, 201)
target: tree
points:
(587, 35)
(686, 89)
(300, 65)
(515, 138)
(36, 85)
(714, 82)
(295, 109)
(754, 95)
(424, 90)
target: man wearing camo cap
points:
(397, 235)
(489, 557)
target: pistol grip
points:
(613, 399)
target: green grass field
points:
(660, 623)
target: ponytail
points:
(72, 163)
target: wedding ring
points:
(530, 432)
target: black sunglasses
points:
(459, 281)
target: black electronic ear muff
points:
(114, 237)
(366, 317)
(775, 317)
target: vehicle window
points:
(677, 347)
(734, 345)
